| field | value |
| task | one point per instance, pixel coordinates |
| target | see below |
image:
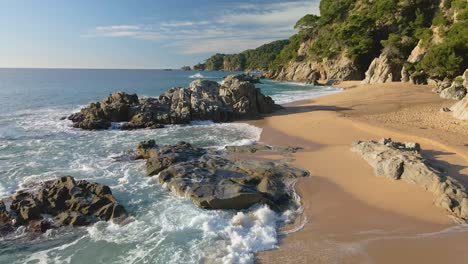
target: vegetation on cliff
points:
(254, 59)
(360, 31)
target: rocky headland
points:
(236, 98)
(212, 180)
(58, 203)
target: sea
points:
(35, 145)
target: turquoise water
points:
(35, 146)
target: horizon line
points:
(84, 68)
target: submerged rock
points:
(403, 161)
(59, 203)
(236, 98)
(216, 182)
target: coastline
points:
(385, 214)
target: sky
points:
(138, 34)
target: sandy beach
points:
(352, 216)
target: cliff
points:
(375, 41)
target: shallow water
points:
(35, 146)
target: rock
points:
(216, 182)
(418, 53)
(340, 68)
(405, 77)
(460, 109)
(445, 110)
(382, 70)
(432, 82)
(146, 149)
(186, 68)
(403, 161)
(455, 92)
(418, 78)
(465, 79)
(6, 220)
(442, 85)
(66, 201)
(203, 100)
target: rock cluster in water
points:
(403, 161)
(57, 203)
(236, 98)
(214, 181)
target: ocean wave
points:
(297, 95)
(201, 76)
(197, 76)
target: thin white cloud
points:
(184, 23)
(246, 26)
(117, 28)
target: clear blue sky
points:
(138, 33)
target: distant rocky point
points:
(58, 203)
(234, 99)
(214, 181)
(186, 68)
(403, 161)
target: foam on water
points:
(164, 228)
(36, 146)
(197, 76)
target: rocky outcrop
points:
(455, 92)
(383, 70)
(57, 203)
(186, 68)
(418, 78)
(403, 161)
(417, 54)
(341, 68)
(236, 98)
(213, 181)
(460, 109)
(442, 85)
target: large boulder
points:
(403, 161)
(214, 181)
(460, 109)
(455, 92)
(202, 100)
(60, 202)
(442, 85)
(383, 70)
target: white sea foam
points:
(297, 95)
(197, 76)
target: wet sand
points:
(351, 215)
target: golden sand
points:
(353, 216)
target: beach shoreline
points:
(352, 215)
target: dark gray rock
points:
(65, 201)
(402, 161)
(216, 182)
(203, 100)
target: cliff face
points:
(311, 71)
(376, 41)
(379, 41)
(373, 40)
